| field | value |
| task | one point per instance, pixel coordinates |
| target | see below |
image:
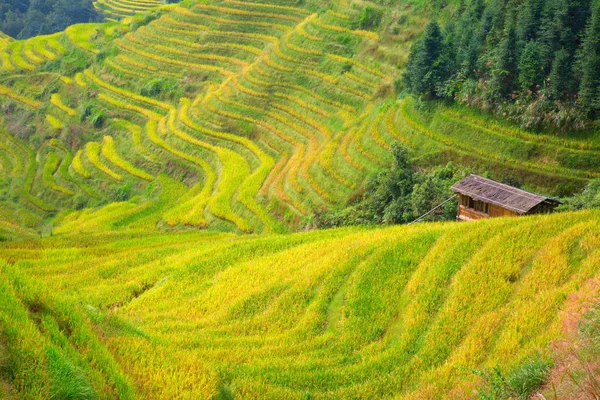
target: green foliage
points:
(428, 66)
(525, 60)
(123, 192)
(369, 18)
(68, 381)
(518, 384)
(80, 201)
(26, 18)
(589, 63)
(433, 188)
(145, 19)
(559, 80)
(399, 195)
(531, 68)
(89, 111)
(76, 60)
(98, 118)
(389, 191)
(158, 86)
(588, 198)
(504, 74)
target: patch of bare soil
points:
(6, 390)
(576, 373)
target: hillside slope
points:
(252, 115)
(352, 313)
(239, 101)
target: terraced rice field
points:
(263, 112)
(401, 312)
(249, 142)
(115, 10)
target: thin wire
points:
(432, 210)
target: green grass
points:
(403, 312)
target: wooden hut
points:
(479, 198)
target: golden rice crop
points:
(78, 166)
(192, 211)
(268, 6)
(397, 312)
(54, 122)
(124, 70)
(92, 151)
(52, 163)
(156, 57)
(6, 91)
(110, 153)
(57, 101)
(335, 28)
(247, 13)
(187, 13)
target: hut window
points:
(465, 201)
(482, 207)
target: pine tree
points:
(427, 66)
(589, 63)
(528, 21)
(469, 38)
(505, 59)
(531, 66)
(559, 80)
(561, 30)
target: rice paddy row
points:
(115, 10)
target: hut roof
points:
(505, 196)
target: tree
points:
(528, 20)
(589, 62)
(504, 73)
(389, 193)
(531, 66)
(433, 189)
(12, 24)
(26, 18)
(535, 61)
(428, 67)
(469, 38)
(32, 22)
(559, 80)
(589, 198)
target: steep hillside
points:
(244, 116)
(355, 313)
(247, 104)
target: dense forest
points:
(536, 62)
(22, 19)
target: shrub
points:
(589, 198)
(518, 384)
(158, 86)
(98, 119)
(369, 19)
(122, 193)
